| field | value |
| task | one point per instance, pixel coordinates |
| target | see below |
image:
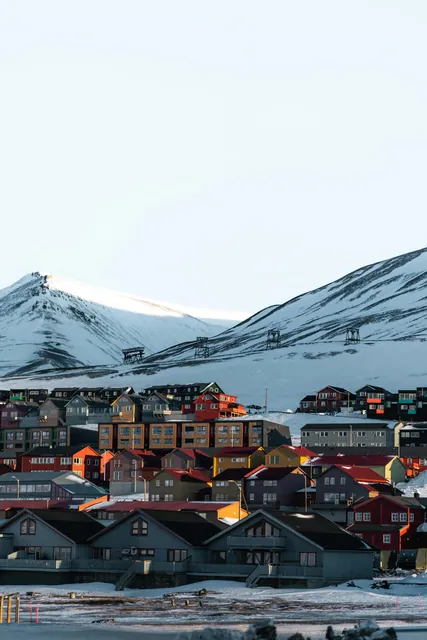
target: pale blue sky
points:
(228, 154)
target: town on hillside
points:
(178, 483)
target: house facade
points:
(288, 456)
(130, 472)
(345, 485)
(175, 485)
(237, 458)
(289, 548)
(331, 399)
(87, 410)
(83, 461)
(340, 435)
(213, 406)
(275, 487)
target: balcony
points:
(253, 542)
(244, 570)
(34, 565)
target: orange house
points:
(84, 461)
(213, 406)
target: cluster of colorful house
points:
(177, 483)
(375, 402)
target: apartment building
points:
(342, 434)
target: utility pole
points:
(266, 401)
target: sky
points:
(227, 154)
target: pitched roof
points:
(321, 531)
(270, 473)
(309, 398)
(362, 474)
(355, 460)
(189, 526)
(56, 451)
(177, 505)
(383, 528)
(229, 452)
(76, 525)
(232, 474)
(59, 403)
(339, 389)
(192, 475)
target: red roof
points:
(191, 453)
(357, 460)
(32, 504)
(362, 474)
(177, 505)
(228, 452)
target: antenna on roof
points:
(202, 347)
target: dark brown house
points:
(171, 485)
(186, 459)
(275, 486)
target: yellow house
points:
(288, 456)
(237, 458)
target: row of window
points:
(365, 516)
(332, 480)
(24, 488)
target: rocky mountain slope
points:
(48, 322)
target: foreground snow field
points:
(226, 603)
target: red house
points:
(334, 399)
(85, 461)
(387, 522)
(213, 406)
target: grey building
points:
(48, 485)
(274, 487)
(342, 434)
(288, 548)
(163, 536)
(87, 410)
(345, 485)
(47, 535)
(171, 485)
(229, 485)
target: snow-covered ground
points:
(228, 603)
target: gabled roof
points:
(338, 389)
(359, 527)
(190, 527)
(372, 388)
(192, 475)
(401, 501)
(362, 474)
(58, 451)
(60, 403)
(231, 452)
(77, 526)
(298, 450)
(270, 473)
(190, 453)
(355, 460)
(176, 505)
(309, 398)
(312, 526)
(232, 474)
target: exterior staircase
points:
(261, 570)
(128, 575)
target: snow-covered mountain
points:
(48, 322)
(387, 301)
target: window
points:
(269, 498)
(177, 555)
(395, 517)
(168, 483)
(342, 480)
(411, 517)
(403, 517)
(65, 461)
(358, 516)
(77, 460)
(62, 553)
(386, 538)
(274, 459)
(117, 475)
(28, 527)
(139, 528)
(251, 497)
(366, 516)
(169, 497)
(262, 529)
(307, 559)
(155, 497)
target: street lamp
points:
(17, 482)
(241, 496)
(135, 477)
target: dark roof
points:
(383, 528)
(77, 525)
(55, 451)
(355, 460)
(232, 474)
(339, 389)
(320, 530)
(373, 388)
(189, 525)
(370, 451)
(309, 398)
(337, 426)
(229, 452)
(58, 402)
(270, 473)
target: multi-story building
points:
(85, 462)
(345, 484)
(12, 413)
(64, 393)
(214, 406)
(389, 467)
(87, 410)
(288, 456)
(371, 395)
(48, 485)
(130, 472)
(413, 447)
(184, 395)
(237, 458)
(172, 484)
(343, 434)
(331, 399)
(308, 404)
(28, 395)
(407, 403)
(127, 408)
(186, 459)
(275, 487)
(52, 412)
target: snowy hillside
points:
(385, 301)
(48, 322)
